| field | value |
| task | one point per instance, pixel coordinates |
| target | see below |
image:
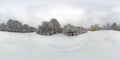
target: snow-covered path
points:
(99, 45)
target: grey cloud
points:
(35, 11)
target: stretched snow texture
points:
(99, 45)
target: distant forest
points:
(51, 27)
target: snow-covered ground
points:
(99, 45)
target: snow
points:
(99, 45)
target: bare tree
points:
(95, 27)
(107, 27)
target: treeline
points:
(16, 26)
(108, 26)
(53, 27)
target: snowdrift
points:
(99, 45)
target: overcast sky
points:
(76, 12)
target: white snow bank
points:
(99, 45)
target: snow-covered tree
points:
(14, 26)
(118, 27)
(56, 25)
(3, 27)
(114, 26)
(45, 29)
(107, 27)
(32, 29)
(27, 28)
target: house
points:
(70, 30)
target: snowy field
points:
(99, 45)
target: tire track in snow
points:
(73, 45)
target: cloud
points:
(76, 12)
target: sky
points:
(76, 12)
